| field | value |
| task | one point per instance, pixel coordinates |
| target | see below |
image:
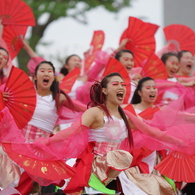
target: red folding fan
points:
(69, 80)
(149, 112)
(16, 12)
(50, 169)
(22, 96)
(114, 65)
(154, 68)
(178, 166)
(141, 39)
(96, 45)
(181, 36)
(13, 35)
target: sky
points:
(67, 36)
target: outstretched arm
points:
(138, 124)
(28, 49)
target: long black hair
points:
(136, 99)
(54, 86)
(98, 99)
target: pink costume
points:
(169, 91)
(71, 142)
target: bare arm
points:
(93, 118)
(28, 49)
(122, 44)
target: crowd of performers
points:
(103, 136)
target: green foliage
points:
(64, 8)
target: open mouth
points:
(45, 81)
(128, 67)
(120, 95)
(152, 96)
(189, 66)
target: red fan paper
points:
(178, 166)
(12, 35)
(149, 112)
(54, 170)
(69, 80)
(154, 68)
(114, 65)
(22, 96)
(16, 12)
(141, 39)
(96, 45)
(181, 37)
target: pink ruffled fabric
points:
(188, 93)
(99, 64)
(33, 62)
(71, 142)
(171, 128)
(83, 92)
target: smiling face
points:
(126, 59)
(44, 76)
(73, 62)
(148, 92)
(115, 90)
(172, 66)
(3, 59)
(186, 64)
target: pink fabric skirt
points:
(32, 133)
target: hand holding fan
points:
(180, 36)
(22, 96)
(96, 45)
(141, 39)
(13, 36)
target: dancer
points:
(186, 63)
(108, 126)
(172, 88)
(49, 101)
(126, 58)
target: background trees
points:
(54, 9)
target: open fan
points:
(96, 45)
(178, 166)
(16, 12)
(12, 35)
(181, 36)
(114, 65)
(22, 96)
(69, 80)
(52, 169)
(141, 39)
(149, 112)
(154, 68)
